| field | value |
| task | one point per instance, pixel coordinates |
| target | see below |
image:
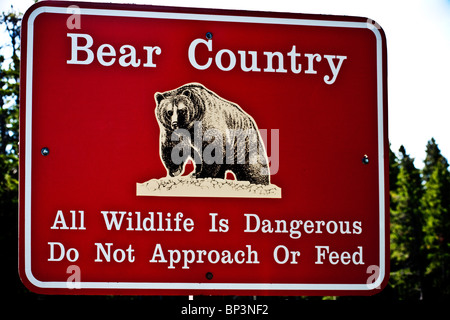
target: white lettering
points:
(270, 56)
(185, 258)
(106, 50)
(286, 253)
(118, 255)
(106, 54)
(293, 54)
(76, 47)
(114, 219)
(334, 69)
(150, 52)
(311, 58)
(191, 54)
(253, 223)
(71, 255)
(134, 61)
(335, 257)
(52, 251)
(219, 60)
(226, 60)
(59, 220)
(254, 66)
(83, 52)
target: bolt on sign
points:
(195, 151)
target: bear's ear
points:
(159, 97)
(187, 93)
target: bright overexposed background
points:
(418, 45)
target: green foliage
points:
(9, 87)
(420, 227)
(407, 258)
(9, 114)
(436, 211)
(433, 157)
(394, 169)
(9, 143)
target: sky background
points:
(418, 46)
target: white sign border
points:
(208, 285)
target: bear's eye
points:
(170, 112)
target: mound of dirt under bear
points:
(186, 186)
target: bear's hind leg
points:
(211, 171)
(251, 173)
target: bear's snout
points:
(174, 120)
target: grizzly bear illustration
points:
(215, 133)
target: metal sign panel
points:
(194, 151)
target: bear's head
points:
(175, 109)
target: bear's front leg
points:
(174, 168)
(198, 163)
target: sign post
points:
(193, 151)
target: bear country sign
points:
(194, 151)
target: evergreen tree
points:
(9, 87)
(9, 115)
(433, 156)
(407, 258)
(9, 142)
(436, 208)
(393, 175)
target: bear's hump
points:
(203, 99)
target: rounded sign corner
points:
(30, 282)
(35, 9)
(376, 28)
